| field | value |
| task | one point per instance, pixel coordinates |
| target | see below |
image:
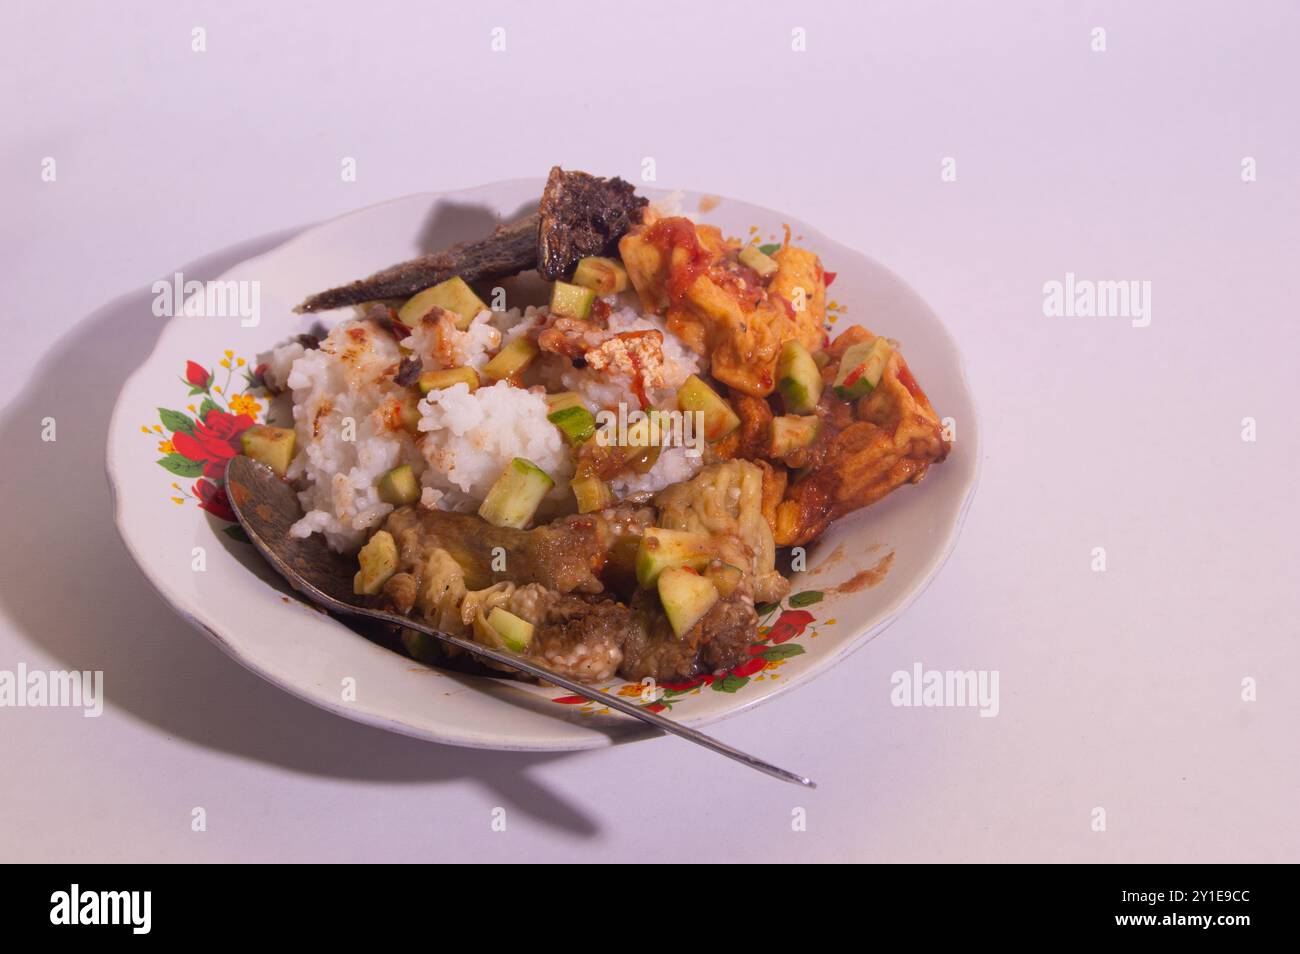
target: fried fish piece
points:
(508, 250)
(579, 214)
(582, 215)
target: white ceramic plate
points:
(221, 586)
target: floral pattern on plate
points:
(199, 442)
(766, 656)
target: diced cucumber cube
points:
(378, 560)
(604, 276)
(725, 576)
(686, 597)
(661, 549)
(861, 368)
(513, 359)
(437, 380)
(792, 432)
(719, 419)
(558, 402)
(516, 495)
(592, 493)
(571, 301)
(759, 261)
(798, 378)
(272, 446)
(399, 486)
(577, 424)
(453, 295)
(514, 631)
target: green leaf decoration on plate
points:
(176, 421)
(730, 683)
(181, 466)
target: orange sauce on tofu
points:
(679, 233)
(906, 380)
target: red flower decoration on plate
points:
(213, 499)
(201, 440)
(213, 442)
(196, 375)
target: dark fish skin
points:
(510, 249)
(579, 214)
(582, 215)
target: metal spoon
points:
(267, 507)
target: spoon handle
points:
(604, 699)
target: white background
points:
(1120, 690)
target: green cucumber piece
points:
(378, 560)
(409, 412)
(577, 424)
(686, 597)
(563, 399)
(725, 576)
(755, 258)
(592, 493)
(514, 631)
(793, 432)
(571, 301)
(861, 368)
(604, 276)
(719, 419)
(798, 378)
(452, 295)
(512, 359)
(437, 380)
(399, 486)
(661, 549)
(515, 496)
(272, 446)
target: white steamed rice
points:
(347, 414)
(472, 437)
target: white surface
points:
(1119, 689)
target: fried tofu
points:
(691, 274)
(886, 439)
(864, 449)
